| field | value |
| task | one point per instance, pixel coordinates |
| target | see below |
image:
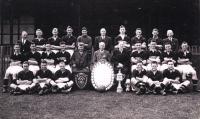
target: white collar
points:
(17, 53)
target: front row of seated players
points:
(155, 81)
(43, 82)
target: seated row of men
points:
(121, 58)
(43, 82)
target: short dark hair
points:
(139, 61)
(155, 29)
(154, 62)
(138, 29)
(153, 41)
(184, 42)
(62, 42)
(167, 43)
(69, 27)
(43, 61)
(122, 26)
(26, 62)
(48, 43)
(138, 42)
(84, 28)
(61, 61)
(170, 61)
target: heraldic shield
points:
(81, 80)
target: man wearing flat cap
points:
(80, 59)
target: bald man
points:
(103, 38)
(24, 43)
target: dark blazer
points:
(174, 43)
(81, 61)
(107, 40)
(25, 48)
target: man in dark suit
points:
(173, 41)
(80, 60)
(103, 38)
(24, 43)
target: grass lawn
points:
(92, 104)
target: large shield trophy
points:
(102, 76)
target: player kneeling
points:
(43, 79)
(62, 79)
(23, 83)
(172, 80)
(155, 79)
(138, 79)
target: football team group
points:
(157, 66)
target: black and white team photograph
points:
(99, 59)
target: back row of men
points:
(131, 57)
(110, 43)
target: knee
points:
(13, 85)
(35, 81)
(166, 81)
(70, 83)
(133, 81)
(128, 81)
(186, 83)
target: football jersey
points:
(186, 55)
(53, 41)
(63, 54)
(157, 40)
(69, 40)
(135, 73)
(155, 77)
(139, 55)
(60, 74)
(25, 75)
(171, 74)
(135, 40)
(51, 55)
(40, 42)
(17, 57)
(171, 55)
(153, 53)
(44, 74)
(36, 56)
